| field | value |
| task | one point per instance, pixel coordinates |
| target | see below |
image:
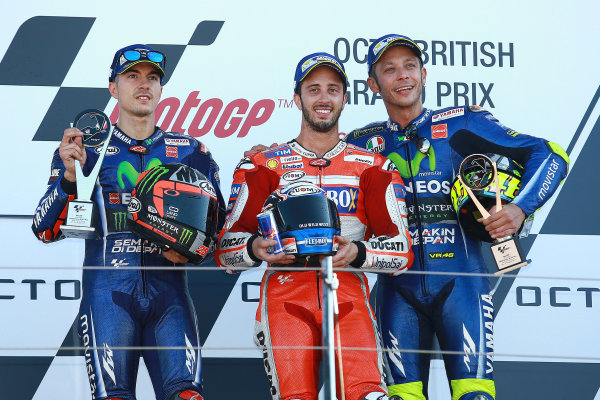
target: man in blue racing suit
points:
(130, 307)
(457, 308)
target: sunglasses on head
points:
(154, 56)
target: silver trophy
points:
(82, 213)
(478, 172)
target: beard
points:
(320, 125)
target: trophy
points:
(82, 213)
(479, 172)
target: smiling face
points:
(321, 99)
(138, 90)
(399, 78)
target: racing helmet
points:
(176, 206)
(306, 219)
(509, 180)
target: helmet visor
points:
(314, 211)
(191, 207)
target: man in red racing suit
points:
(369, 194)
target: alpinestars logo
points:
(108, 363)
(32, 38)
(284, 278)
(190, 356)
(394, 354)
(469, 347)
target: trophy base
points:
(507, 255)
(79, 232)
(81, 220)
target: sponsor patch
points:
(290, 159)
(376, 144)
(512, 133)
(278, 153)
(439, 255)
(439, 131)
(110, 150)
(365, 159)
(366, 131)
(292, 166)
(113, 198)
(455, 112)
(171, 151)
(293, 175)
(399, 191)
(303, 190)
(177, 142)
(139, 149)
(345, 197)
(272, 163)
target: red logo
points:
(171, 151)
(319, 162)
(439, 131)
(202, 250)
(139, 149)
(210, 115)
(113, 198)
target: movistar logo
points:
(128, 171)
(150, 179)
(415, 163)
(120, 218)
(185, 236)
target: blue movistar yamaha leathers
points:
(458, 309)
(130, 307)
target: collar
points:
(122, 136)
(337, 149)
(417, 122)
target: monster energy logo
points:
(415, 164)
(120, 219)
(150, 179)
(128, 171)
(186, 235)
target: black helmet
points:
(509, 180)
(306, 219)
(175, 205)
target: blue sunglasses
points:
(154, 56)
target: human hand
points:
(505, 222)
(260, 247)
(71, 150)
(174, 256)
(257, 149)
(346, 253)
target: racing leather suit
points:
(369, 194)
(458, 309)
(130, 307)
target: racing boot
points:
(476, 396)
(187, 395)
(377, 396)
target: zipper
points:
(417, 217)
(143, 247)
(318, 288)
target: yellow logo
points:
(272, 163)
